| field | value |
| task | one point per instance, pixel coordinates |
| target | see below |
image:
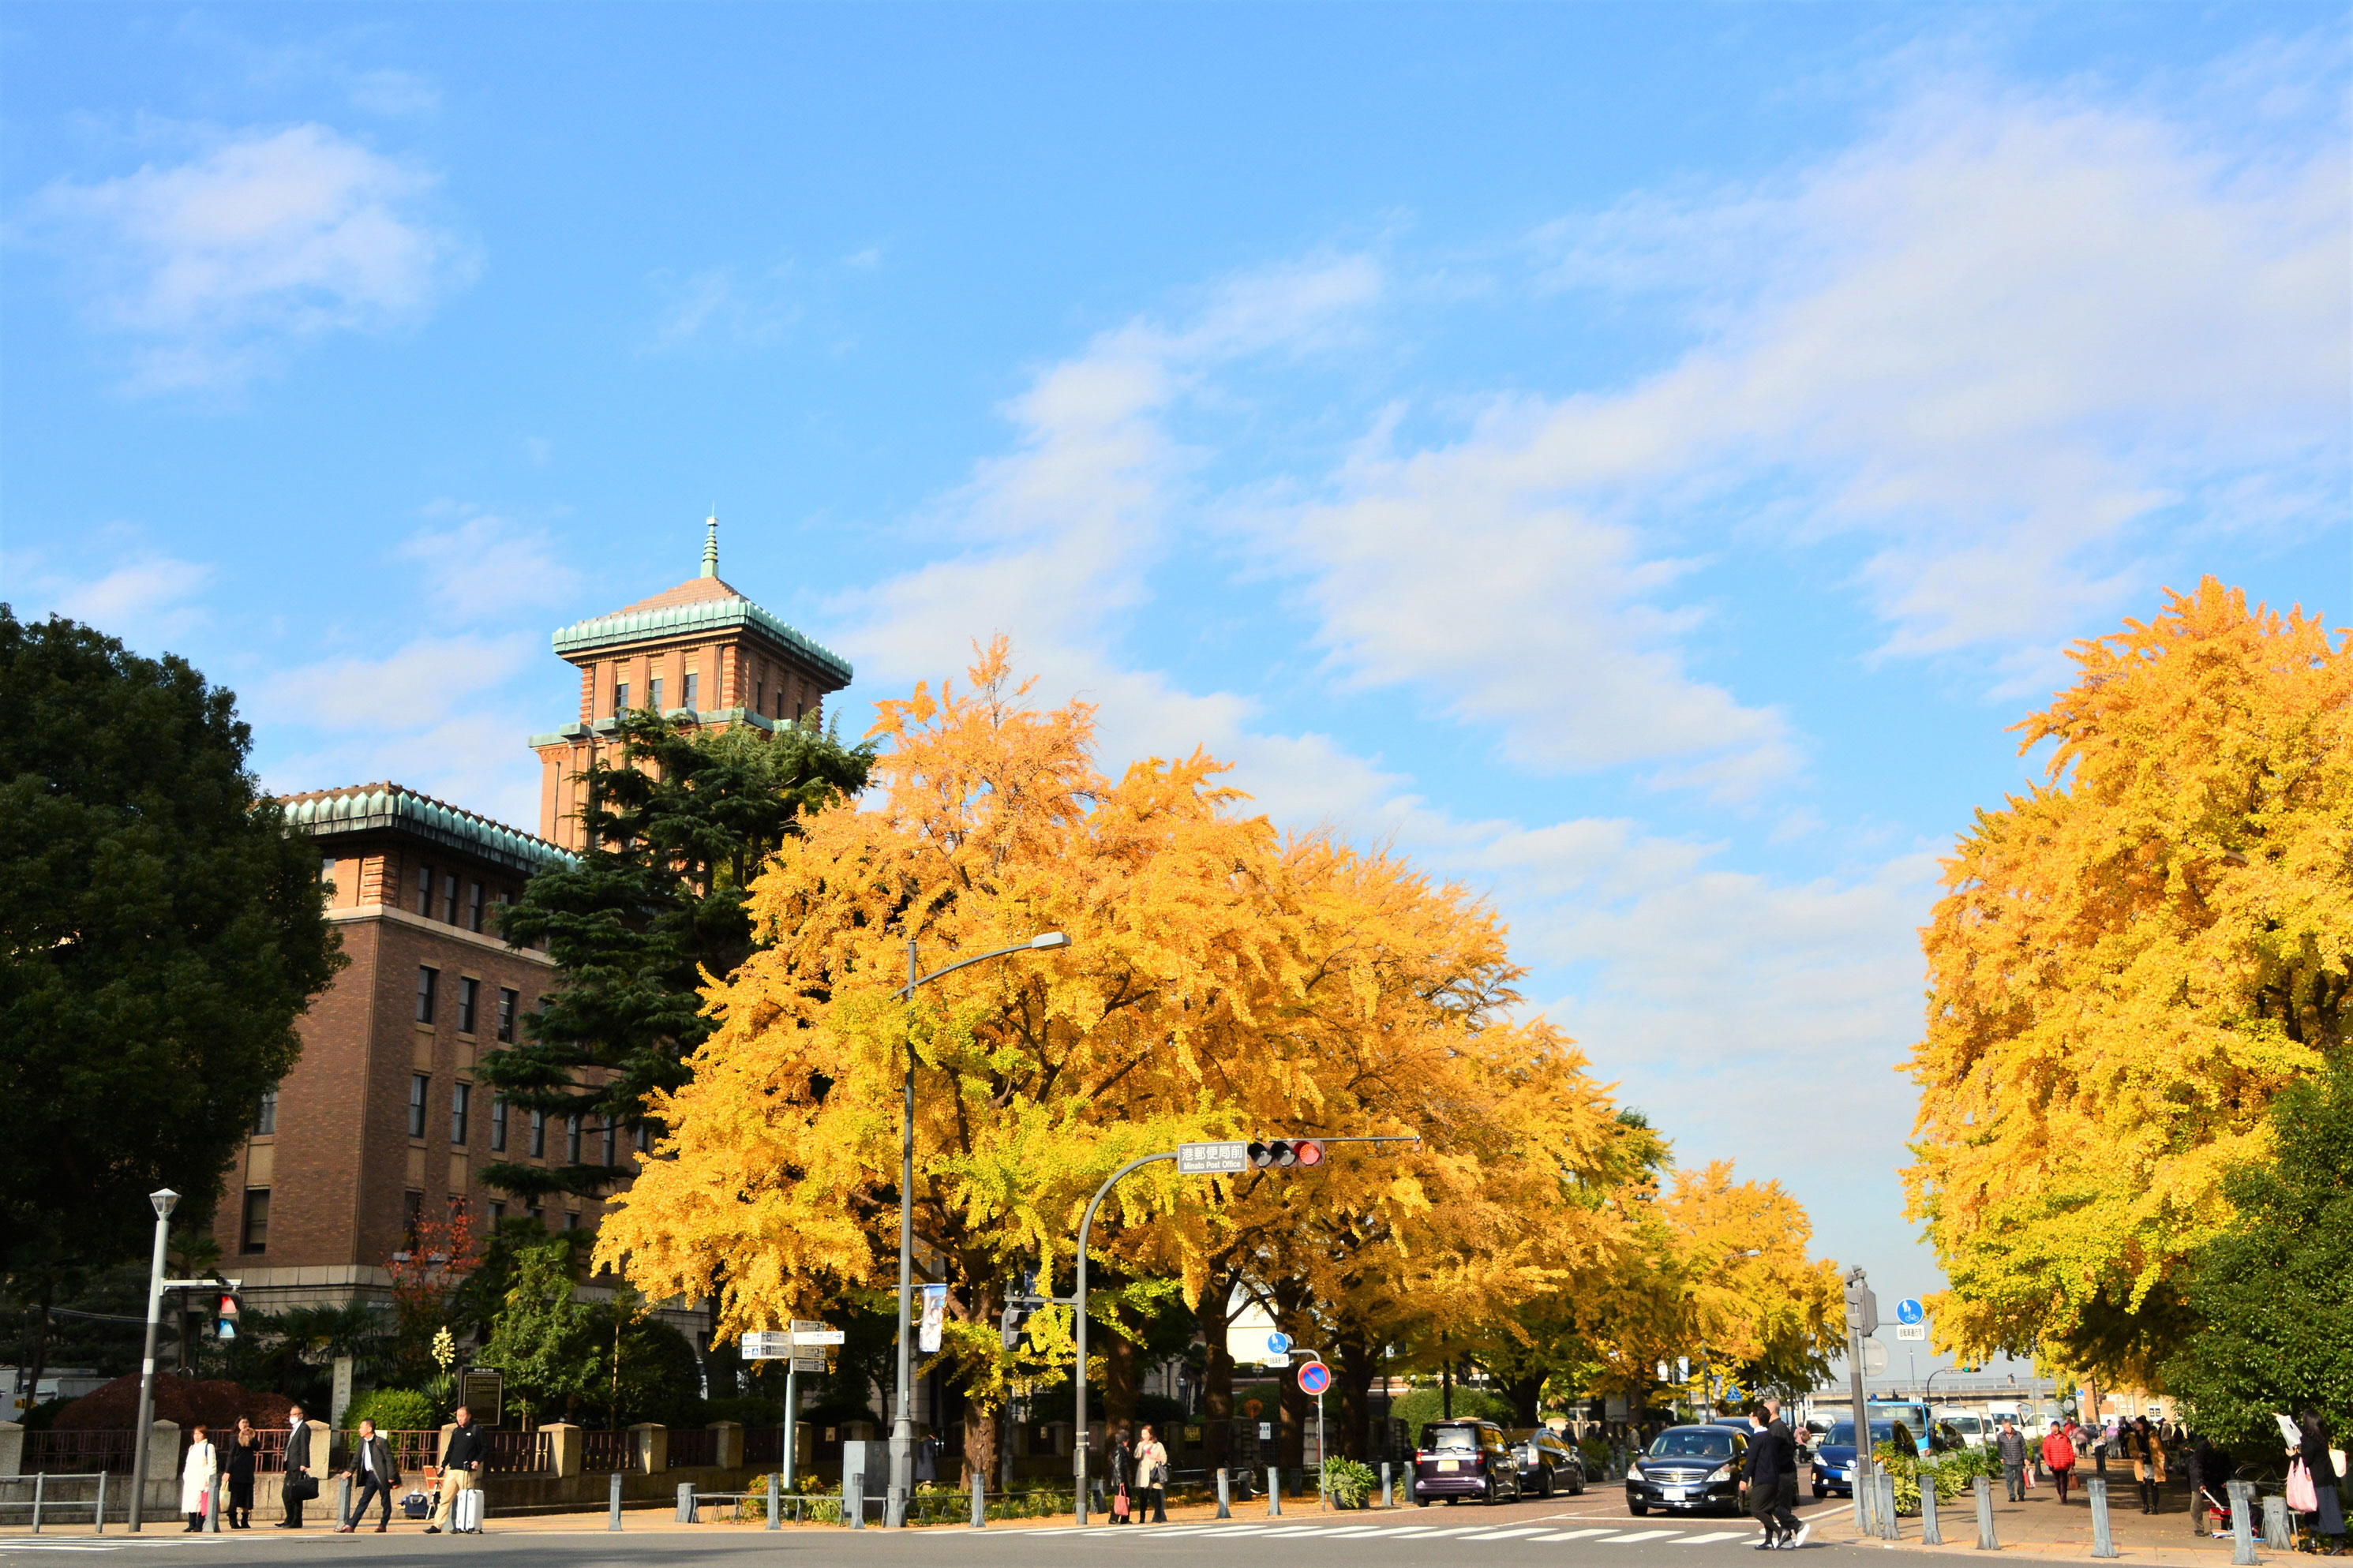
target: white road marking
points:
(1501, 1534)
(1642, 1535)
(1575, 1534)
(1719, 1535)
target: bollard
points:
(2243, 1525)
(1861, 1494)
(1986, 1541)
(1887, 1526)
(2278, 1534)
(2096, 1492)
(1274, 1491)
(97, 1523)
(1225, 1495)
(614, 1520)
(212, 1506)
(1929, 1534)
(853, 1498)
(1388, 1497)
(686, 1502)
(343, 1498)
(979, 1502)
(37, 1479)
(775, 1508)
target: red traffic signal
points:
(1283, 1153)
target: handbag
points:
(302, 1487)
(2300, 1495)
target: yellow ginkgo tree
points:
(2131, 960)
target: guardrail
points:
(39, 1483)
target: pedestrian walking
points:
(459, 1459)
(1760, 1471)
(2147, 1451)
(373, 1472)
(2316, 1452)
(1151, 1477)
(244, 1453)
(299, 1486)
(2010, 1448)
(199, 1476)
(927, 1459)
(1123, 1471)
(2059, 1458)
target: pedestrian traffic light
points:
(1283, 1153)
(1015, 1326)
(1861, 1307)
(225, 1319)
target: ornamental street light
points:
(163, 1199)
(902, 1424)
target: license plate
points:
(1675, 1494)
(1838, 1475)
(1447, 1467)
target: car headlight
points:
(1721, 1473)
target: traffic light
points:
(1861, 1307)
(1283, 1153)
(225, 1319)
(1015, 1326)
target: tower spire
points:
(710, 545)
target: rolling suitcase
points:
(466, 1517)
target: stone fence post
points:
(564, 1448)
(649, 1440)
(163, 1467)
(12, 1449)
(727, 1449)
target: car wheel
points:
(1638, 1509)
(1545, 1490)
(1820, 1493)
(1421, 1502)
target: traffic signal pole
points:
(1861, 1320)
(1078, 1303)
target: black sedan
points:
(1690, 1469)
(1547, 1463)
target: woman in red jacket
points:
(2058, 1453)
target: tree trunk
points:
(1297, 1411)
(1119, 1379)
(979, 1442)
(1217, 1373)
(1526, 1393)
(1446, 1389)
(1352, 1380)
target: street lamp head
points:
(164, 1199)
(1049, 940)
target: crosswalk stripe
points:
(1500, 1534)
(1642, 1535)
(1358, 1530)
(1575, 1534)
(1719, 1535)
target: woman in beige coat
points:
(199, 1476)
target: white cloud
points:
(217, 265)
(479, 565)
(717, 306)
(410, 690)
(149, 601)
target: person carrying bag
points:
(2059, 1454)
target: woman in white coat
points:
(199, 1474)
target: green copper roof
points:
(362, 808)
(701, 615)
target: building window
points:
(571, 1139)
(449, 898)
(506, 1015)
(498, 1126)
(609, 1141)
(461, 1100)
(474, 908)
(419, 1083)
(497, 1211)
(265, 1120)
(643, 1138)
(538, 1211)
(412, 1214)
(456, 1207)
(469, 988)
(539, 1134)
(654, 693)
(620, 698)
(425, 891)
(254, 1237)
(428, 980)
(693, 683)
(327, 874)
(760, 698)
(571, 1220)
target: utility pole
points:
(163, 1199)
(1862, 1322)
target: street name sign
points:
(1911, 1331)
(1211, 1159)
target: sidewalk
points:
(2041, 1528)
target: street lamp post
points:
(902, 1424)
(163, 1198)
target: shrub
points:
(1349, 1482)
(392, 1410)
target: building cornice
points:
(697, 618)
(379, 807)
(399, 916)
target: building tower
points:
(700, 651)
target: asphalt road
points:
(1593, 1530)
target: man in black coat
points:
(1784, 1500)
(299, 1486)
(375, 1473)
(460, 1460)
(1762, 1471)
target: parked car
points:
(1834, 1457)
(1690, 1469)
(1461, 1460)
(1973, 1429)
(1548, 1463)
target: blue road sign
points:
(1907, 1310)
(1278, 1344)
(1314, 1377)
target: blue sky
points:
(1637, 459)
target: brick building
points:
(382, 1120)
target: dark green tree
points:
(2270, 1295)
(678, 825)
(162, 931)
(547, 1344)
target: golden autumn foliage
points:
(1222, 982)
(2132, 960)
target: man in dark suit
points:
(1785, 1502)
(460, 1460)
(373, 1471)
(299, 1484)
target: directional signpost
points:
(1212, 1158)
(802, 1349)
(1911, 1322)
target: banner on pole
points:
(935, 1308)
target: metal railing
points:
(515, 1453)
(79, 1451)
(690, 1448)
(40, 1501)
(605, 1453)
(764, 1445)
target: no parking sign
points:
(1314, 1377)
